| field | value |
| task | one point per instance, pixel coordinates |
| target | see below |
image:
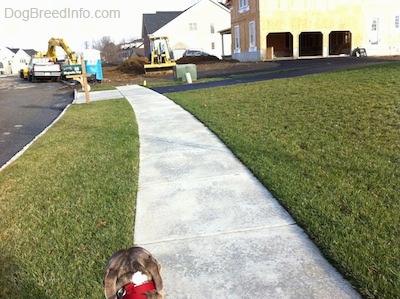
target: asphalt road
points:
(26, 109)
(283, 69)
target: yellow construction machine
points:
(161, 56)
(59, 42)
(70, 66)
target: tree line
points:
(110, 52)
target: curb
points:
(17, 155)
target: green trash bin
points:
(180, 71)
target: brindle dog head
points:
(124, 263)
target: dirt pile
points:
(197, 59)
(133, 66)
(132, 70)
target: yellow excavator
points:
(59, 42)
(161, 55)
(69, 66)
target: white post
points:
(188, 78)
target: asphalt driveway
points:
(283, 69)
(26, 109)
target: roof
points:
(155, 21)
(225, 31)
(30, 52)
(228, 3)
(14, 50)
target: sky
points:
(30, 24)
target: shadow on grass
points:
(11, 283)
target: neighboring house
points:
(306, 28)
(6, 56)
(194, 28)
(12, 59)
(21, 59)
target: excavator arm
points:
(59, 42)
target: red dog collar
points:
(131, 291)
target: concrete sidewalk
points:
(80, 97)
(216, 230)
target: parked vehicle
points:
(43, 68)
(194, 52)
(46, 65)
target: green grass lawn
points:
(328, 147)
(68, 203)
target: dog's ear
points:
(154, 269)
(110, 283)
(112, 271)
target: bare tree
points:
(86, 44)
(101, 43)
(109, 51)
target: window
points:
(237, 39)
(374, 31)
(212, 28)
(193, 26)
(243, 6)
(397, 22)
(374, 25)
(243, 3)
(213, 46)
(252, 32)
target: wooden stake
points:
(85, 84)
(82, 78)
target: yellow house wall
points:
(325, 16)
(388, 36)
(298, 16)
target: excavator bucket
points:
(157, 68)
